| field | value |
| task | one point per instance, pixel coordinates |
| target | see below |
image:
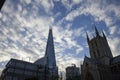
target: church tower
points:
(99, 48)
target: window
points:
(98, 53)
(94, 54)
(91, 46)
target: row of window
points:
(11, 78)
(19, 71)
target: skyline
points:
(24, 27)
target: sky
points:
(24, 26)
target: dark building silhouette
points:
(72, 73)
(101, 65)
(2, 3)
(33, 78)
(21, 70)
(42, 69)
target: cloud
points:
(100, 10)
(114, 44)
(68, 59)
(46, 4)
(25, 27)
(69, 4)
(28, 1)
(24, 33)
(113, 29)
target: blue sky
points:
(24, 26)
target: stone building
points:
(43, 69)
(101, 65)
(72, 73)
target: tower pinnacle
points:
(103, 34)
(96, 31)
(87, 37)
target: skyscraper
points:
(43, 69)
(49, 58)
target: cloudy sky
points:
(24, 26)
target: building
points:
(42, 69)
(101, 65)
(1, 3)
(49, 57)
(72, 73)
(21, 70)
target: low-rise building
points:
(72, 73)
(21, 70)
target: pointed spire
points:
(85, 54)
(87, 37)
(103, 34)
(50, 53)
(96, 31)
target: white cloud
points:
(46, 4)
(27, 1)
(113, 30)
(68, 59)
(19, 8)
(25, 35)
(114, 45)
(70, 3)
(25, 32)
(100, 11)
(77, 1)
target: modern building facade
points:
(21, 70)
(101, 65)
(49, 58)
(72, 73)
(42, 69)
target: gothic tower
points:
(99, 48)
